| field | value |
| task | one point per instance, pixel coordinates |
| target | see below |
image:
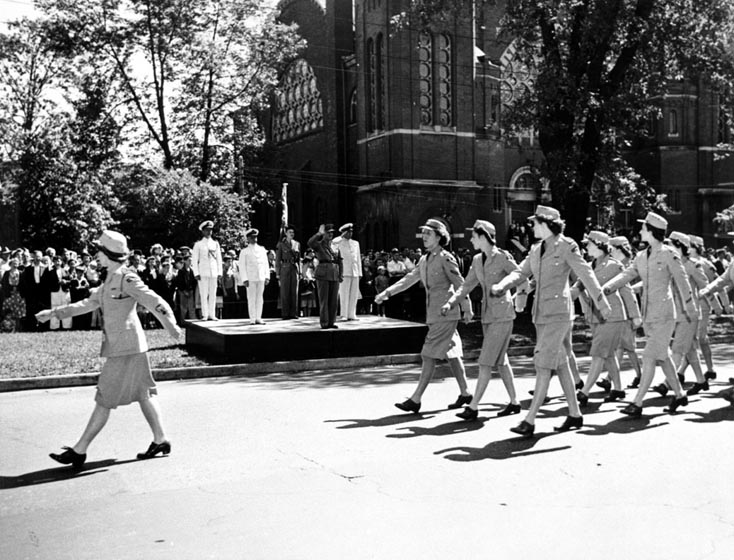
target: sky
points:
(14, 9)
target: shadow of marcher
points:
(460, 427)
(717, 415)
(58, 474)
(392, 420)
(499, 450)
(623, 425)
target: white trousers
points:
(348, 295)
(60, 298)
(208, 294)
(255, 300)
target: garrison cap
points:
(696, 240)
(114, 242)
(680, 237)
(597, 237)
(487, 227)
(546, 213)
(618, 241)
(655, 220)
(438, 226)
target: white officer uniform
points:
(352, 261)
(255, 270)
(206, 262)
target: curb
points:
(265, 368)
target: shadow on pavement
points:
(623, 425)
(58, 474)
(460, 427)
(725, 414)
(499, 450)
(391, 420)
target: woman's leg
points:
(457, 368)
(542, 381)
(152, 412)
(485, 374)
(428, 367)
(97, 421)
(508, 379)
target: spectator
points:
(185, 284)
(33, 291)
(56, 282)
(382, 282)
(307, 285)
(13, 304)
(79, 290)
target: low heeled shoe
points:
(468, 414)
(509, 409)
(676, 402)
(461, 401)
(570, 423)
(633, 410)
(524, 428)
(409, 405)
(69, 457)
(615, 395)
(154, 448)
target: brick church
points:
(386, 128)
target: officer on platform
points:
(352, 263)
(328, 274)
(287, 270)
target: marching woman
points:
(721, 284)
(126, 375)
(660, 269)
(606, 334)
(489, 267)
(439, 272)
(550, 263)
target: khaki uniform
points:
(553, 306)
(722, 283)
(287, 267)
(659, 271)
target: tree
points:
(184, 65)
(601, 66)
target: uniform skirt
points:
(495, 343)
(658, 334)
(606, 338)
(685, 337)
(703, 326)
(550, 351)
(125, 379)
(442, 341)
(628, 343)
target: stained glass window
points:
(298, 106)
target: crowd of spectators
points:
(35, 280)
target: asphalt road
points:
(321, 465)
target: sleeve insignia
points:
(160, 308)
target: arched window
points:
(376, 82)
(435, 79)
(298, 106)
(673, 123)
(353, 107)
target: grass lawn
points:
(58, 353)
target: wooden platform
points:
(233, 341)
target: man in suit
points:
(206, 262)
(32, 290)
(287, 270)
(328, 274)
(254, 275)
(348, 248)
(56, 282)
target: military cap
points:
(618, 241)
(252, 232)
(329, 228)
(206, 224)
(596, 237)
(696, 240)
(546, 213)
(184, 248)
(231, 253)
(682, 238)
(438, 226)
(487, 227)
(346, 227)
(655, 220)
(114, 242)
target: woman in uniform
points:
(126, 375)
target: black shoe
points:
(409, 405)
(614, 395)
(524, 429)
(681, 378)
(468, 414)
(546, 400)
(697, 388)
(510, 409)
(69, 457)
(661, 389)
(583, 399)
(579, 385)
(632, 410)
(570, 423)
(710, 374)
(604, 384)
(461, 401)
(635, 383)
(154, 448)
(675, 402)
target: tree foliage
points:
(601, 68)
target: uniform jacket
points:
(698, 280)
(658, 272)
(206, 258)
(330, 265)
(551, 272)
(351, 257)
(623, 302)
(723, 282)
(117, 299)
(712, 302)
(486, 273)
(440, 274)
(254, 265)
(287, 255)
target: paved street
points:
(322, 466)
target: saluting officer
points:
(488, 267)
(439, 272)
(352, 263)
(287, 270)
(550, 263)
(659, 267)
(126, 376)
(328, 274)
(206, 262)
